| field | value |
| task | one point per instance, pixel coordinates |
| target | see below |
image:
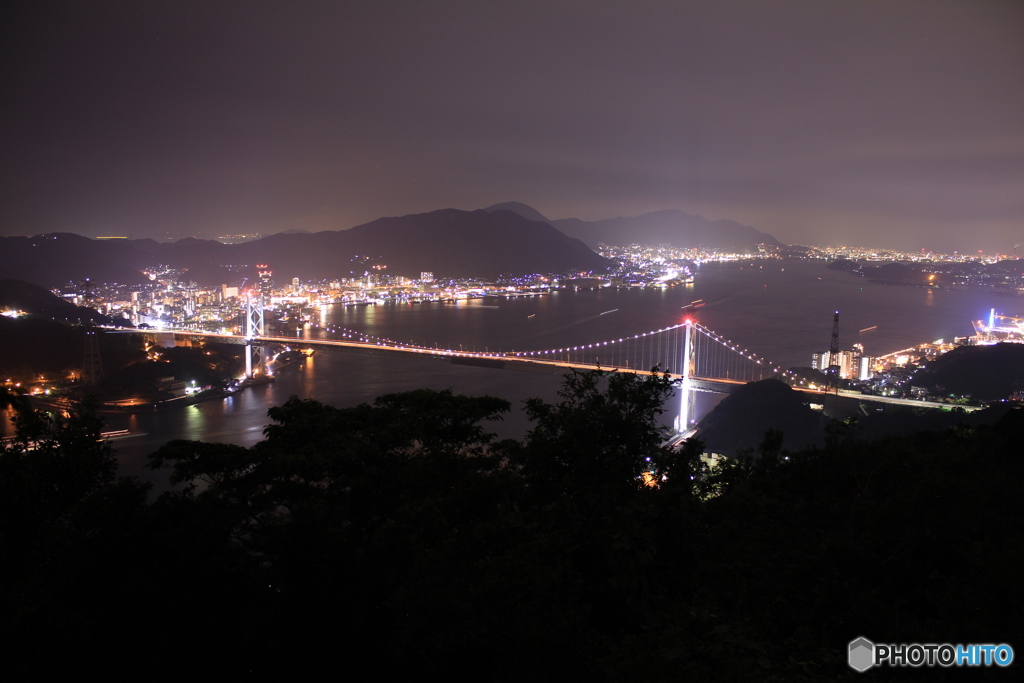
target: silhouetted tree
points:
(598, 440)
(400, 538)
(66, 522)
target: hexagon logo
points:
(862, 654)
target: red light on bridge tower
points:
(689, 308)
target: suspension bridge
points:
(698, 358)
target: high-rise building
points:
(865, 369)
(852, 364)
(819, 361)
(266, 281)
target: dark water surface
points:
(781, 310)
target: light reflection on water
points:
(782, 315)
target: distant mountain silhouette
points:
(57, 258)
(448, 242)
(524, 210)
(670, 227)
(510, 237)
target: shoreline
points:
(157, 406)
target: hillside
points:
(54, 259)
(448, 242)
(740, 421)
(38, 302)
(982, 372)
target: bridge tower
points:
(682, 421)
(253, 329)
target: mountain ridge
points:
(670, 227)
(510, 237)
(448, 242)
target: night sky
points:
(875, 123)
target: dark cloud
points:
(870, 122)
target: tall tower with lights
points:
(254, 320)
(682, 421)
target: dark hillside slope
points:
(448, 242)
(983, 372)
(39, 302)
(54, 259)
(740, 421)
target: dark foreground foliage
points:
(400, 540)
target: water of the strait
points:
(780, 310)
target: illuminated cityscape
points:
(289, 305)
(602, 341)
(173, 300)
